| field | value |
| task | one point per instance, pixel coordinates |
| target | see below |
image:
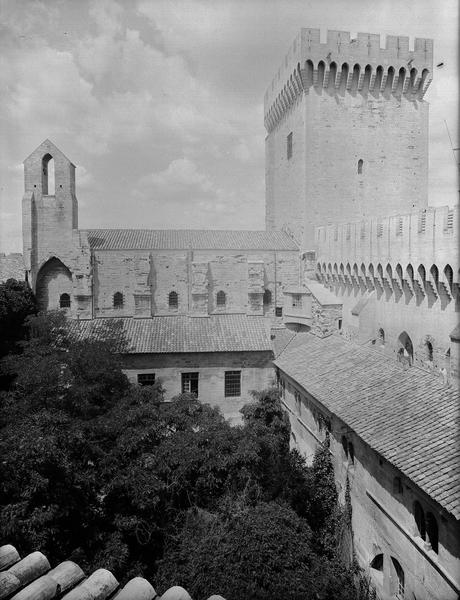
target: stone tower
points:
(52, 245)
(347, 131)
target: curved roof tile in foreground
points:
(33, 579)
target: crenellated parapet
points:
(415, 255)
(343, 65)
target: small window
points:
(382, 337)
(173, 300)
(232, 383)
(146, 378)
(296, 301)
(289, 146)
(432, 531)
(339, 324)
(360, 166)
(118, 300)
(190, 383)
(429, 351)
(419, 516)
(298, 403)
(64, 301)
(351, 453)
(267, 298)
(221, 299)
(397, 485)
(279, 311)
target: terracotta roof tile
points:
(216, 333)
(406, 415)
(183, 239)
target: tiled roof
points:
(12, 267)
(280, 337)
(407, 416)
(216, 333)
(32, 578)
(184, 239)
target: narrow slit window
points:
(289, 146)
(360, 166)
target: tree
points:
(17, 302)
(253, 552)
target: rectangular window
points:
(232, 383)
(289, 146)
(146, 378)
(296, 301)
(190, 383)
(279, 311)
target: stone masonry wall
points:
(383, 518)
(256, 374)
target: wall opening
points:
(173, 300)
(406, 348)
(419, 517)
(221, 299)
(53, 280)
(360, 166)
(432, 531)
(118, 300)
(289, 146)
(48, 176)
(64, 301)
(397, 580)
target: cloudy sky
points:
(160, 103)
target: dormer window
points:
(221, 299)
(173, 300)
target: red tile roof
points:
(216, 333)
(407, 416)
(184, 239)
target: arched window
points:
(351, 453)
(382, 337)
(267, 298)
(173, 300)
(390, 77)
(48, 184)
(221, 299)
(64, 301)
(118, 300)
(377, 568)
(398, 580)
(360, 166)
(321, 71)
(449, 274)
(406, 348)
(355, 78)
(378, 78)
(419, 517)
(432, 531)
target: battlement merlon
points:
(339, 48)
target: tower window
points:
(118, 300)
(190, 383)
(360, 166)
(64, 301)
(232, 384)
(221, 299)
(429, 351)
(173, 300)
(289, 146)
(279, 311)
